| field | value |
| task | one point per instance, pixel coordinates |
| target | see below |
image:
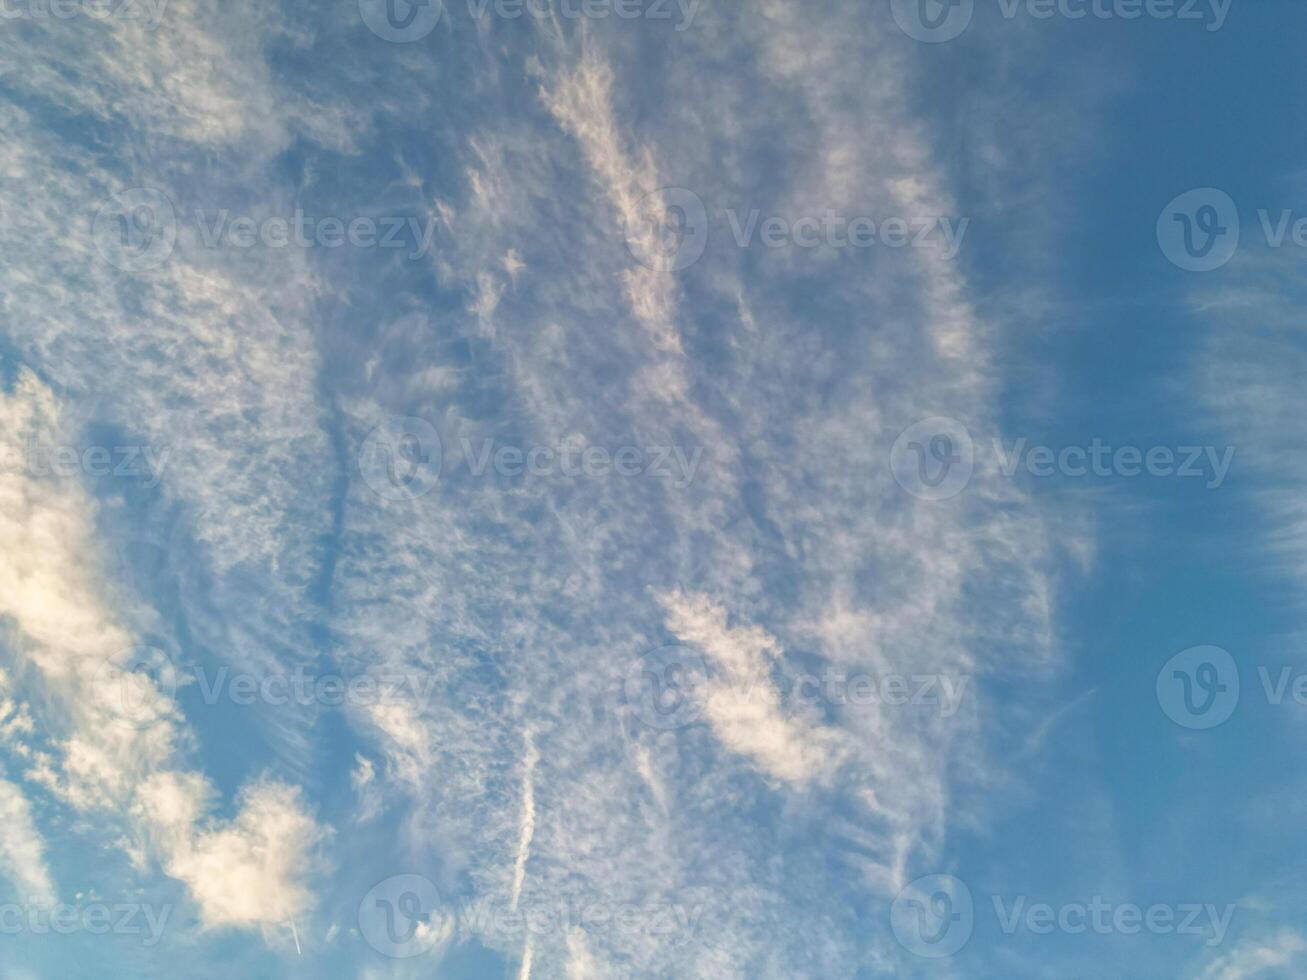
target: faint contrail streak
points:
(528, 824)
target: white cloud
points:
(740, 701)
(1253, 957)
(52, 590)
(793, 372)
(211, 356)
(582, 103)
(252, 871)
(581, 963)
(22, 850)
(528, 602)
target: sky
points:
(652, 489)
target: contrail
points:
(528, 824)
(525, 972)
(528, 829)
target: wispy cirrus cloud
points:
(113, 740)
(22, 850)
(1253, 957)
(1247, 373)
(741, 706)
(531, 599)
(526, 602)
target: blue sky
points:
(639, 489)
